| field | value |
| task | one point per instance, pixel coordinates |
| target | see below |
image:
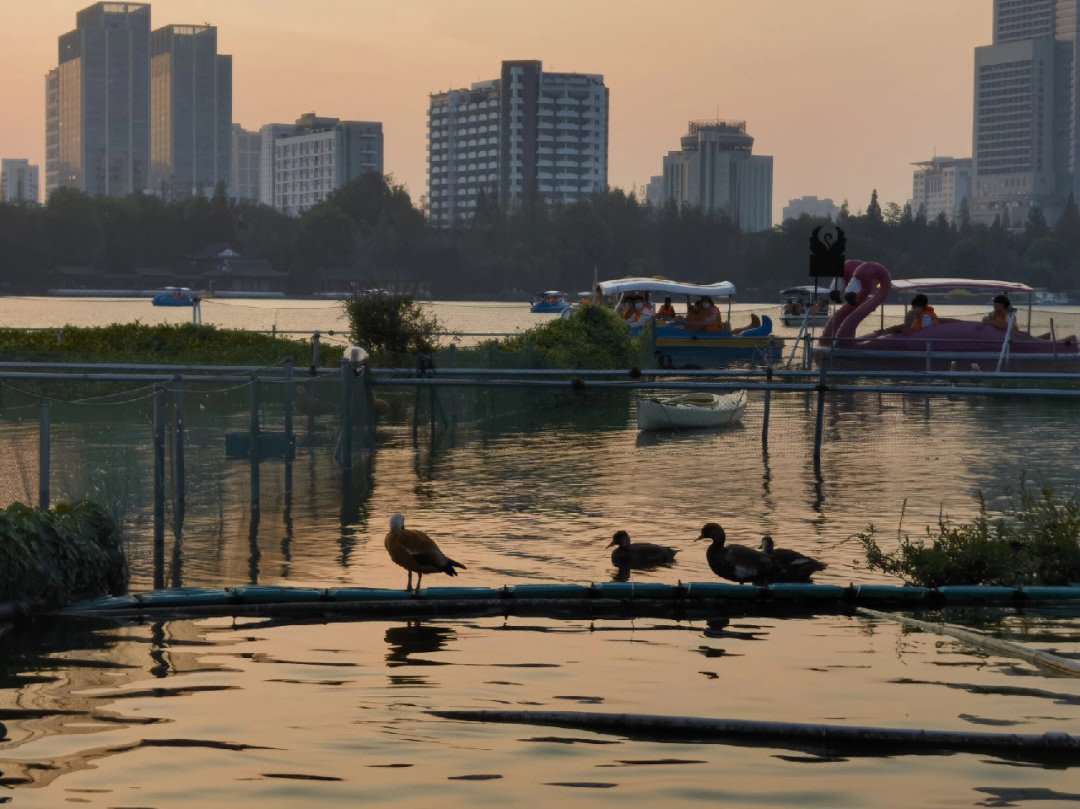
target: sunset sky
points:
(844, 94)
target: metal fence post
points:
(44, 454)
(765, 410)
(347, 376)
(159, 488)
(819, 424)
(179, 498)
(290, 441)
(255, 439)
(314, 353)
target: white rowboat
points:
(691, 410)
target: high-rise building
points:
(940, 186)
(98, 102)
(810, 206)
(18, 181)
(320, 155)
(268, 136)
(191, 111)
(1026, 129)
(715, 171)
(526, 133)
(244, 177)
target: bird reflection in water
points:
(415, 638)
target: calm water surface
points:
(520, 487)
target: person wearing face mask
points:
(640, 312)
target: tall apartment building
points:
(1026, 129)
(810, 206)
(18, 181)
(527, 132)
(191, 111)
(320, 155)
(98, 102)
(940, 186)
(714, 170)
(244, 176)
(268, 136)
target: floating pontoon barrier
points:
(640, 598)
(852, 739)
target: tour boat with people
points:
(931, 343)
(807, 305)
(550, 302)
(700, 339)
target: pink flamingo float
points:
(869, 287)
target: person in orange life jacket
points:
(999, 318)
(919, 316)
(638, 312)
(666, 310)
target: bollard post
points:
(765, 410)
(178, 453)
(929, 354)
(159, 488)
(314, 353)
(346, 414)
(819, 424)
(1053, 338)
(44, 454)
(255, 451)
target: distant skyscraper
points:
(940, 186)
(98, 102)
(715, 171)
(812, 207)
(191, 111)
(527, 132)
(320, 155)
(1026, 132)
(244, 177)
(18, 181)
(268, 135)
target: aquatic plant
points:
(56, 556)
(181, 344)
(1035, 540)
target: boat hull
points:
(549, 308)
(795, 321)
(675, 347)
(172, 300)
(693, 411)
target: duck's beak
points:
(702, 536)
(612, 544)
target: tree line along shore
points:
(370, 233)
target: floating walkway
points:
(606, 599)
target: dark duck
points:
(638, 554)
(791, 566)
(735, 562)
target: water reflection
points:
(416, 638)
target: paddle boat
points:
(691, 410)
(804, 304)
(947, 344)
(550, 302)
(679, 344)
(176, 296)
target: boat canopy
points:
(959, 285)
(722, 289)
(807, 289)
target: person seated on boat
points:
(821, 306)
(666, 310)
(791, 308)
(999, 318)
(755, 322)
(640, 313)
(919, 316)
(624, 306)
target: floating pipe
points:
(862, 738)
(1044, 660)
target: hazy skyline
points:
(843, 94)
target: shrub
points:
(56, 556)
(589, 337)
(391, 326)
(1035, 541)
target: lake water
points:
(522, 488)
